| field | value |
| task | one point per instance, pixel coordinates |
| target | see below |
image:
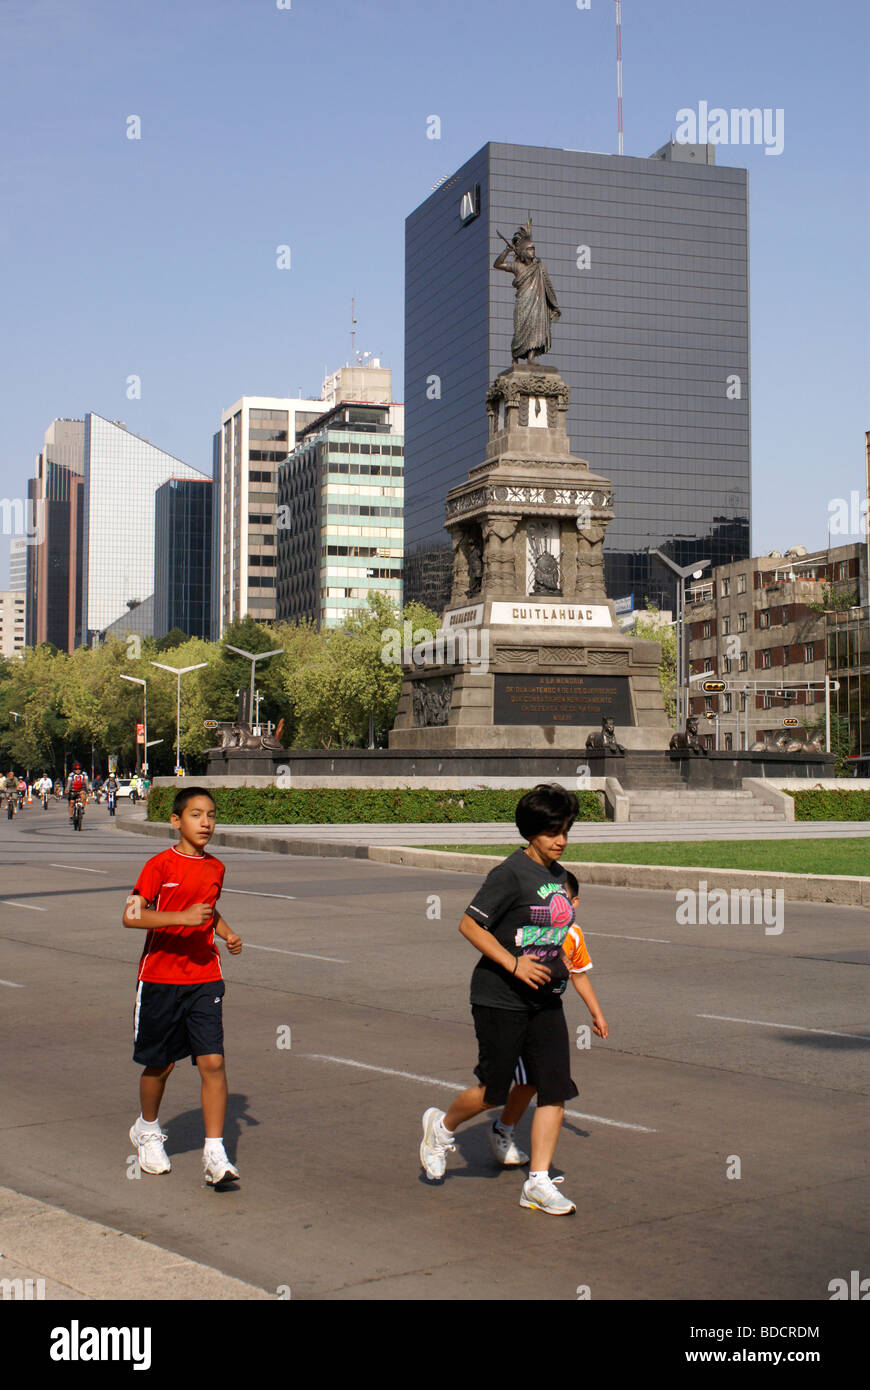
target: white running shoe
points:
(432, 1151)
(543, 1195)
(217, 1169)
(153, 1158)
(505, 1149)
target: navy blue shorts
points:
(175, 1021)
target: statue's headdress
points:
(522, 237)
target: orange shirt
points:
(575, 952)
(173, 882)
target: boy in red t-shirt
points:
(178, 1003)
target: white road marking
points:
(454, 1086)
(251, 894)
(792, 1027)
(11, 984)
(79, 868)
(279, 950)
(7, 902)
(617, 936)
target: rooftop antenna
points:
(352, 329)
(619, 72)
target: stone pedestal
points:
(529, 654)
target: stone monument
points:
(529, 654)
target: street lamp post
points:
(138, 680)
(178, 672)
(682, 572)
(254, 657)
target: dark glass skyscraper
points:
(649, 262)
(183, 557)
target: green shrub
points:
(357, 805)
(819, 804)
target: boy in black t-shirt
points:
(518, 921)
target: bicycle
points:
(10, 807)
(78, 813)
(110, 798)
(45, 796)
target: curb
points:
(842, 889)
(71, 1253)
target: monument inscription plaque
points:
(540, 699)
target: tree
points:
(841, 739)
(652, 629)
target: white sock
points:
(148, 1126)
(533, 1176)
(214, 1146)
(442, 1133)
(505, 1129)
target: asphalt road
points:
(725, 1044)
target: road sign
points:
(714, 687)
(209, 723)
(791, 723)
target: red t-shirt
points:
(173, 882)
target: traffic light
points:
(714, 687)
(710, 714)
(785, 694)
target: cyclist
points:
(22, 792)
(76, 787)
(110, 787)
(10, 793)
(43, 789)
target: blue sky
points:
(307, 126)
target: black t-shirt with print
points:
(528, 911)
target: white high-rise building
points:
(11, 622)
(122, 473)
(18, 564)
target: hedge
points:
(831, 805)
(359, 805)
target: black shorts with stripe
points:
(531, 1048)
(175, 1021)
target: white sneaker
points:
(153, 1158)
(432, 1151)
(542, 1195)
(505, 1149)
(217, 1169)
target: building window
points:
(765, 659)
(708, 666)
(726, 588)
(741, 623)
(744, 661)
(766, 702)
(809, 652)
(727, 704)
(742, 703)
(708, 702)
(707, 630)
(726, 627)
(729, 743)
(764, 619)
(784, 615)
(727, 665)
(741, 583)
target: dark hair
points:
(547, 807)
(187, 794)
(572, 885)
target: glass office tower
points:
(649, 262)
(121, 475)
(182, 557)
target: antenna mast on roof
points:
(352, 329)
(619, 72)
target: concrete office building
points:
(649, 262)
(18, 547)
(121, 476)
(761, 622)
(182, 557)
(54, 567)
(255, 435)
(11, 622)
(340, 514)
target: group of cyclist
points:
(15, 791)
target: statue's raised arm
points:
(535, 307)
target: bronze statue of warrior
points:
(535, 307)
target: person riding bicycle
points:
(76, 787)
(43, 788)
(9, 787)
(110, 787)
(22, 791)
